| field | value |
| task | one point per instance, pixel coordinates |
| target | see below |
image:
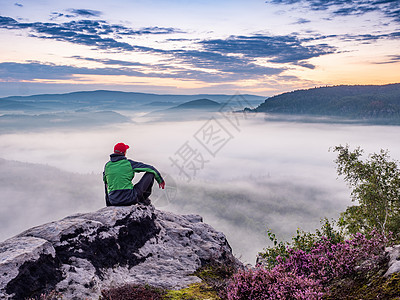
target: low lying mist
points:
(243, 209)
(32, 194)
(256, 175)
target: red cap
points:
(120, 148)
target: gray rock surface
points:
(82, 254)
(394, 260)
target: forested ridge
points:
(366, 102)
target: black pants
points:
(140, 193)
(143, 187)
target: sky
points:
(198, 46)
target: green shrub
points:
(303, 240)
(376, 187)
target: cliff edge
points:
(82, 254)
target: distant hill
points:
(199, 104)
(375, 103)
(192, 110)
(159, 104)
(8, 105)
(77, 119)
(104, 100)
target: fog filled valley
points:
(255, 174)
(271, 130)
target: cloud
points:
(223, 63)
(390, 8)
(114, 62)
(74, 13)
(37, 70)
(56, 15)
(236, 56)
(306, 65)
(211, 60)
(12, 71)
(302, 21)
(96, 33)
(85, 12)
(367, 38)
(277, 49)
(391, 59)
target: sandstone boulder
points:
(82, 254)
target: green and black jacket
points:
(118, 175)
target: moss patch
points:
(133, 292)
(368, 285)
(214, 276)
(217, 276)
(196, 291)
(379, 288)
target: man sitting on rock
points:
(118, 175)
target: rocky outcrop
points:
(394, 260)
(82, 254)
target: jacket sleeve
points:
(104, 174)
(141, 167)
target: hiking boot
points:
(146, 201)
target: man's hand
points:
(162, 185)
